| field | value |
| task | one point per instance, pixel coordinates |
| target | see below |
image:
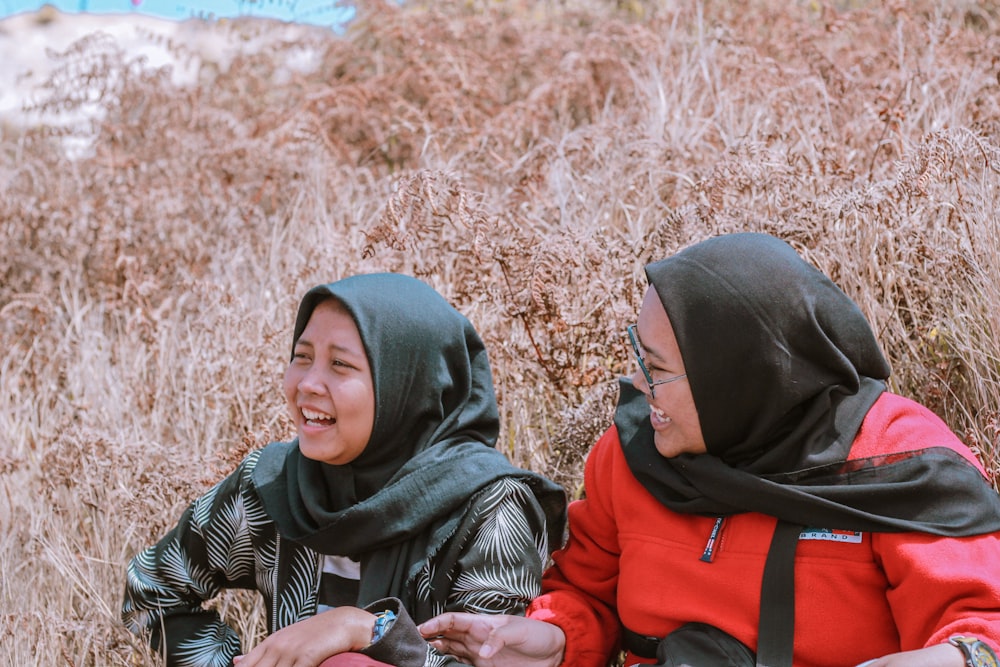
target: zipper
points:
(274, 582)
(708, 555)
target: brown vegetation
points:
(525, 158)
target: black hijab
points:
(431, 448)
(783, 368)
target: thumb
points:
(494, 642)
(488, 649)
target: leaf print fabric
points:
(225, 540)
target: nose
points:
(639, 382)
(311, 381)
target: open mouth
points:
(659, 416)
(314, 418)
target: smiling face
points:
(329, 387)
(673, 415)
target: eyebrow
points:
(339, 348)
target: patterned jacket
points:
(224, 539)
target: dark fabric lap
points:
(352, 660)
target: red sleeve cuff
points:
(588, 644)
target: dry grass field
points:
(525, 158)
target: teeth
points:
(660, 414)
(313, 415)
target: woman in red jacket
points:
(761, 498)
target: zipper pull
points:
(709, 554)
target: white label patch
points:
(849, 536)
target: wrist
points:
(975, 653)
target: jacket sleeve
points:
(498, 571)
(942, 586)
(938, 586)
(500, 567)
(402, 644)
(581, 585)
(209, 549)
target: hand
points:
(487, 640)
(939, 655)
(309, 642)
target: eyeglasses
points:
(642, 364)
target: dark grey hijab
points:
(431, 449)
(783, 368)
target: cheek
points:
(681, 411)
(693, 427)
(290, 383)
(362, 402)
(691, 416)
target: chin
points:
(312, 451)
(668, 448)
(665, 449)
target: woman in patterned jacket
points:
(391, 505)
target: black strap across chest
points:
(776, 629)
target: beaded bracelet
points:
(383, 620)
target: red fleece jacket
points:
(858, 596)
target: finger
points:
(431, 628)
(448, 622)
(258, 657)
(456, 648)
(491, 646)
